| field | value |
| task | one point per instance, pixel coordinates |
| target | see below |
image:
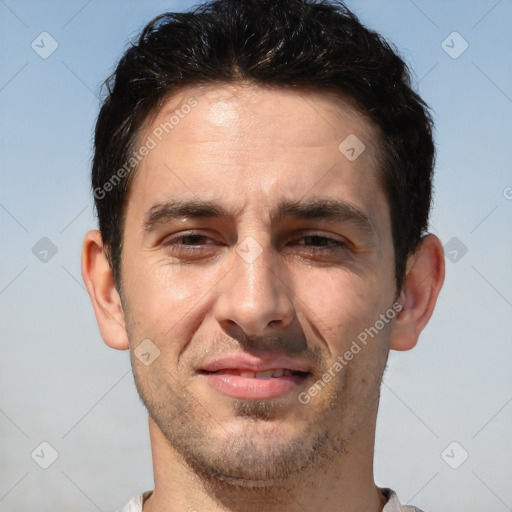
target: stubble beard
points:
(248, 460)
(259, 456)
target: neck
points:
(343, 484)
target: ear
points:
(423, 281)
(99, 280)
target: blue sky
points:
(59, 383)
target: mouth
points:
(265, 374)
(246, 384)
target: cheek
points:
(165, 302)
(341, 305)
(156, 287)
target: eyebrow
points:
(328, 209)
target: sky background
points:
(59, 383)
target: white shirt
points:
(392, 505)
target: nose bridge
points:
(255, 295)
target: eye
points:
(194, 244)
(321, 243)
(190, 242)
(193, 239)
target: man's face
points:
(270, 280)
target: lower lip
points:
(253, 388)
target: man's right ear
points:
(99, 280)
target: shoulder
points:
(393, 504)
(135, 504)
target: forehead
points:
(256, 114)
(253, 146)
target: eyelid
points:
(183, 234)
(302, 233)
(333, 242)
(322, 234)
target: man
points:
(262, 176)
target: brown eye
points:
(190, 243)
(317, 242)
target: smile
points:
(266, 384)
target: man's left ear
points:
(423, 281)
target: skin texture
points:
(247, 148)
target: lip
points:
(249, 362)
(249, 388)
(255, 388)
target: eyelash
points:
(334, 245)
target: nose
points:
(254, 296)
